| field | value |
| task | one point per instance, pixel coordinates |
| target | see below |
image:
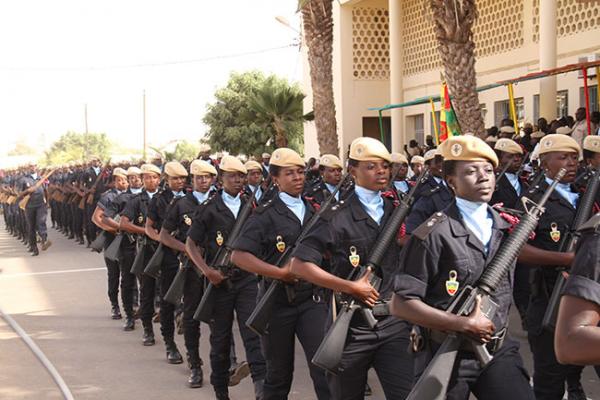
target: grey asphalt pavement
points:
(60, 299)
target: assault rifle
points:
(329, 353)
(222, 262)
(259, 319)
(153, 267)
(584, 212)
(36, 186)
(433, 384)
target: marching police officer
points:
(399, 173)
(35, 210)
(274, 226)
(330, 170)
(451, 250)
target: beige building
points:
(384, 52)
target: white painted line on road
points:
(64, 271)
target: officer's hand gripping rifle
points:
(222, 262)
(433, 384)
(329, 353)
(259, 319)
(584, 212)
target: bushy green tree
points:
(73, 146)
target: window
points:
(593, 97)
(562, 105)
(502, 110)
(418, 122)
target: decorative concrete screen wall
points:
(572, 16)
(370, 43)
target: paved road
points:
(60, 299)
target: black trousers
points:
(147, 291)
(192, 294)
(126, 256)
(167, 310)
(241, 299)
(304, 319)
(36, 223)
(521, 289)
(386, 350)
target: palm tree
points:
(278, 107)
(317, 22)
(453, 28)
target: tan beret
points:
(174, 168)
(119, 172)
(232, 164)
(508, 146)
(507, 129)
(558, 142)
(266, 155)
(133, 171)
(467, 148)
(150, 168)
(564, 130)
(94, 158)
(398, 158)
(491, 139)
(430, 155)
(537, 135)
(204, 148)
(592, 143)
(417, 160)
(201, 167)
(251, 164)
(284, 157)
(369, 149)
(330, 161)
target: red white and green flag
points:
(448, 122)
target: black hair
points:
(352, 162)
(449, 168)
(588, 154)
(274, 170)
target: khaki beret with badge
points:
(592, 143)
(330, 161)
(507, 129)
(232, 164)
(508, 146)
(174, 168)
(369, 149)
(491, 139)
(133, 171)
(284, 157)
(430, 155)
(150, 168)
(558, 142)
(398, 158)
(250, 165)
(120, 172)
(266, 155)
(468, 148)
(537, 135)
(564, 130)
(201, 167)
(204, 148)
(417, 160)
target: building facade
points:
(385, 52)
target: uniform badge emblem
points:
(219, 238)
(452, 284)
(456, 150)
(188, 221)
(354, 258)
(554, 233)
(280, 245)
(140, 219)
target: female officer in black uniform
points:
(210, 229)
(346, 235)
(451, 250)
(173, 234)
(271, 228)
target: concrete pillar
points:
(396, 92)
(547, 48)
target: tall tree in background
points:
(453, 28)
(73, 146)
(317, 20)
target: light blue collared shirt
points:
(331, 189)
(201, 197)
(151, 194)
(136, 190)
(477, 218)
(514, 181)
(564, 189)
(233, 203)
(371, 201)
(96, 170)
(295, 204)
(402, 186)
(178, 194)
(256, 190)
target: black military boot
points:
(115, 312)
(196, 377)
(259, 389)
(45, 244)
(129, 324)
(221, 394)
(34, 251)
(148, 338)
(173, 354)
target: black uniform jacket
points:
(443, 248)
(584, 279)
(506, 194)
(157, 212)
(179, 217)
(319, 192)
(429, 200)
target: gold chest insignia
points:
(452, 284)
(554, 233)
(187, 220)
(354, 258)
(280, 245)
(219, 238)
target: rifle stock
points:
(175, 291)
(155, 263)
(137, 268)
(98, 244)
(112, 251)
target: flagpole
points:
(435, 123)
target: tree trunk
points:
(457, 50)
(318, 33)
(280, 135)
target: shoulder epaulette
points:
(429, 226)
(592, 223)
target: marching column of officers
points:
(303, 234)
